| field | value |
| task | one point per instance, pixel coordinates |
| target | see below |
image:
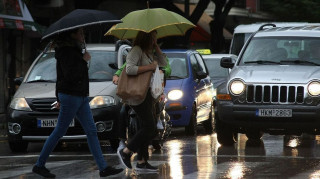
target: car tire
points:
(18, 146)
(254, 135)
(225, 134)
(191, 128)
(209, 124)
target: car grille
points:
(41, 105)
(275, 94)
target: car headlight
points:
(175, 94)
(102, 101)
(314, 88)
(20, 104)
(237, 87)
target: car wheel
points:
(114, 143)
(191, 129)
(254, 134)
(209, 124)
(18, 146)
(225, 134)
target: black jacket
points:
(72, 72)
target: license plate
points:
(42, 123)
(274, 112)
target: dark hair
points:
(144, 41)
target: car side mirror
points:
(201, 75)
(18, 81)
(226, 62)
(113, 66)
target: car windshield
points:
(99, 70)
(178, 64)
(282, 50)
(215, 70)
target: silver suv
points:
(273, 87)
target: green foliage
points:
(293, 10)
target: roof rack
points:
(264, 25)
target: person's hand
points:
(156, 45)
(115, 79)
(154, 65)
(86, 56)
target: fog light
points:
(14, 128)
(101, 127)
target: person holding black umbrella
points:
(72, 90)
(72, 86)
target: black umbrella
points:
(81, 18)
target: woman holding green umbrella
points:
(146, 26)
(139, 60)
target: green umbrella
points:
(166, 23)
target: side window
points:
(194, 64)
(202, 66)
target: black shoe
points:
(146, 167)
(110, 171)
(43, 171)
(125, 159)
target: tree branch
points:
(199, 10)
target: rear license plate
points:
(42, 123)
(274, 112)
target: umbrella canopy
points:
(81, 18)
(167, 23)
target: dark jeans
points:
(148, 130)
(70, 107)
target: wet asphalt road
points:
(183, 157)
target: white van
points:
(242, 33)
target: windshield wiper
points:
(34, 81)
(302, 61)
(261, 62)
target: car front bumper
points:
(304, 118)
(179, 115)
(31, 132)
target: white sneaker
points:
(122, 145)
